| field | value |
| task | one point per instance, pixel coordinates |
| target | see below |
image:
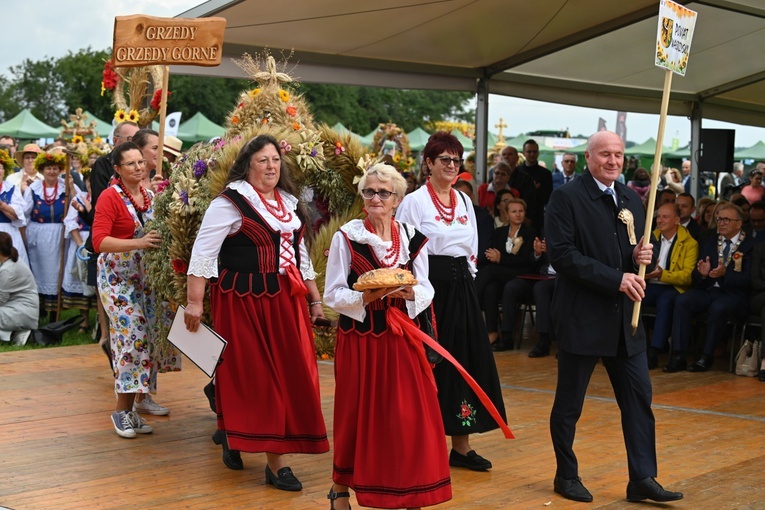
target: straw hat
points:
(30, 147)
(173, 146)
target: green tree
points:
(37, 86)
(81, 74)
(214, 97)
(361, 109)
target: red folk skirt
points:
(267, 386)
(390, 446)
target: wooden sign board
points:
(148, 40)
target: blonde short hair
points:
(385, 173)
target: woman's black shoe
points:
(472, 461)
(761, 376)
(231, 458)
(284, 479)
(210, 394)
(332, 496)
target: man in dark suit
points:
(720, 289)
(687, 205)
(568, 162)
(543, 184)
(686, 168)
(592, 225)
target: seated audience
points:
(641, 182)
(720, 291)
(500, 207)
(758, 294)
(511, 254)
(19, 302)
(487, 191)
(687, 206)
(676, 253)
(757, 221)
(541, 287)
(704, 212)
(754, 191)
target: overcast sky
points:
(52, 28)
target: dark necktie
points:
(567, 179)
(726, 250)
(611, 196)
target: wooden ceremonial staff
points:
(162, 113)
(654, 184)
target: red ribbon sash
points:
(400, 323)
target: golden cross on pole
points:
(500, 126)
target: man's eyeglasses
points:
(569, 161)
(725, 221)
(445, 160)
(133, 164)
(126, 138)
(369, 193)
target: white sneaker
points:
(123, 424)
(139, 424)
(147, 405)
(21, 337)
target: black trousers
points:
(632, 388)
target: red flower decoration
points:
(465, 410)
(179, 266)
(291, 111)
(110, 78)
(157, 99)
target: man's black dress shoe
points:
(572, 488)
(283, 479)
(649, 488)
(210, 394)
(676, 364)
(761, 376)
(539, 351)
(472, 461)
(231, 458)
(703, 364)
(500, 345)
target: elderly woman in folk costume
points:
(120, 238)
(29, 173)
(46, 208)
(12, 207)
(389, 439)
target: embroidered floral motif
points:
(466, 414)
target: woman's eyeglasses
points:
(445, 160)
(133, 164)
(369, 193)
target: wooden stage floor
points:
(58, 449)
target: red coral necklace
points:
(279, 212)
(52, 199)
(391, 254)
(447, 213)
(132, 200)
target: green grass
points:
(73, 337)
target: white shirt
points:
(222, 219)
(459, 239)
(15, 179)
(17, 203)
(663, 260)
(603, 188)
(349, 302)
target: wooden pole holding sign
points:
(673, 45)
(654, 184)
(148, 40)
(162, 113)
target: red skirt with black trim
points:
(267, 387)
(389, 439)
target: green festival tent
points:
(467, 143)
(199, 128)
(417, 139)
(25, 126)
(647, 148)
(756, 151)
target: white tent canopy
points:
(595, 53)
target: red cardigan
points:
(112, 218)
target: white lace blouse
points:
(349, 302)
(222, 219)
